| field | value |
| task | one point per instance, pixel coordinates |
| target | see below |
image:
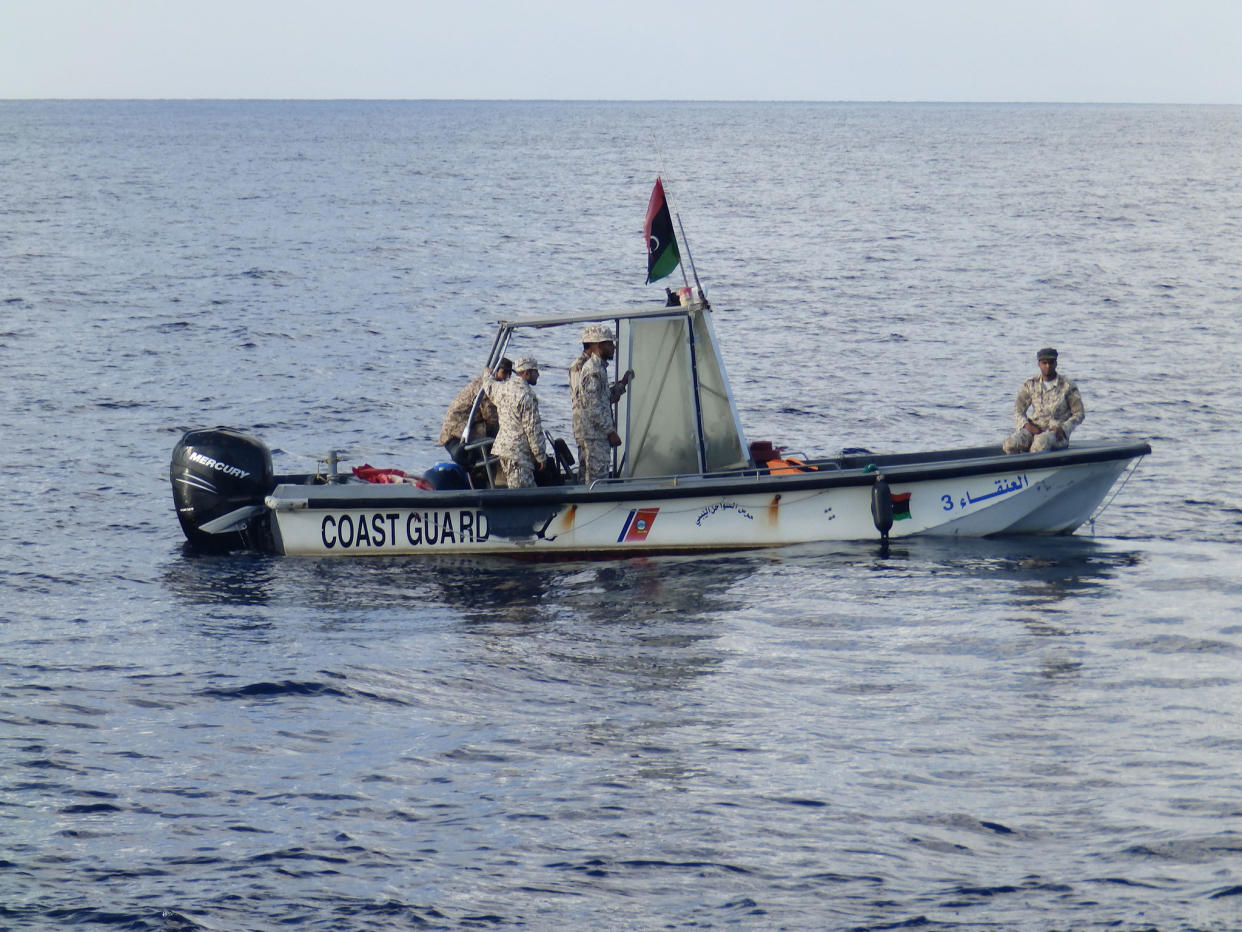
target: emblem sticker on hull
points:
(638, 525)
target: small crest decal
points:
(638, 525)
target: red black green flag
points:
(901, 506)
(662, 254)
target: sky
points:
(1131, 51)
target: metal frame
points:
(689, 314)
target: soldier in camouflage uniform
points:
(486, 421)
(1046, 411)
(592, 399)
(519, 443)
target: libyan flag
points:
(901, 506)
(662, 254)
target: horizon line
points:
(633, 100)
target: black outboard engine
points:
(220, 477)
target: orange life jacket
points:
(781, 466)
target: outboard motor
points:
(220, 477)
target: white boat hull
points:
(968, 496)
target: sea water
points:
(1008, 734)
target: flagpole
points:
(690, 324)
(694, 355)
(690, 259)
(684, 278)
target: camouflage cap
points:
(1046, 353)
(597, 333)
(526, 363)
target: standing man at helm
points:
(486, 421)
(519, 441)
(592, 399)
(1047, 409)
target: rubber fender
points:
(882, 505)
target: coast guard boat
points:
(685, 478)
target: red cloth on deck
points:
(369, 473)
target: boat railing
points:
(753, 473)
(481, 449)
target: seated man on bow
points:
(1046, 411)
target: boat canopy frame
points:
(678, 416)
